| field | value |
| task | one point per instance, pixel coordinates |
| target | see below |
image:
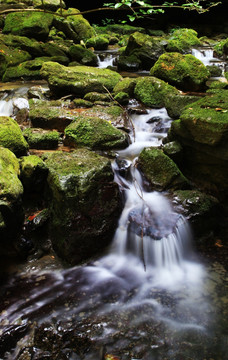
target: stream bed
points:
(150, 296)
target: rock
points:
(75, 27)
(11, 136)
(32, 46)
(33, 174)
(176, 103)
(41, 139)
(99, 42)
(11, 211)
(122, 98)
(202, 131)
(84, 203)
(182, 40)
(95, 96)
(174, 151)
(160, 170)
(31, 24)
(95, 133)
(28, 70)
(82, 55)
(200, 209)
(126, 85)
(183, 71)
(153, 92)
(49, 114)
(51, 5)
(129, 63)
(10, 57)
(78, 80)
(214, 70)
(146, 49)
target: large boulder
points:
(78, 80)
(11, 190)
(182, 40)
(11, 136)
(31, 24)
(95, 133)
(160, 170)
(202, 131)
(153, 92)
(32, 46)
(84, 203)
(73, 25)
(144, 48)
(83, 55)
(183, 71)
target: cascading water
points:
(145, 299)
(206, 55)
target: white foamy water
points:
(206, 55)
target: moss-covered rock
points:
(74, 26)
(122, 98)
(11, 136)
(202, 131)
(50, 5)
(41, 139)
(200, 209)
(153, 92)
(31, 24)
(221, 48)
(144, 48)
(95, 96)
(32, 46)
(10, 57)
(126, 85)
(33, 174)
(95, 133)
(28, 70)
(182, 40)
(183, 71)
(174, 151)
(176, 103)
(11, 190)
(78, 80)
(129, 63)
(160, 170)
(84, 203)
(49, 114)
(99, 42)
(214, 70)
(83, 55)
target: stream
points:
(150, 296)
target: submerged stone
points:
(84, 203)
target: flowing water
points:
(206, 55)
(148, 297)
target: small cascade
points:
(106, 59)
(148, 228)
(206, 55)
(6, 106)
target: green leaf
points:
(131, 17)
(118, 5)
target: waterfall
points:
(206, 55)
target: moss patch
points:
(11, 136)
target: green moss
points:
(126, 85)
(160, 170)
(32, 46)
(82, 55)
(41, 139)
(78, 80)
(207, 119)
(184, 71)
(33, 173)
(122, 98)
(152, 91)
(31, 24)
(95, 133)
(75, 27)
(221, 47)
(11, 136)
(11, 57)
(182, 40)
(10, 185)
(95, 96)
(99, 42)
